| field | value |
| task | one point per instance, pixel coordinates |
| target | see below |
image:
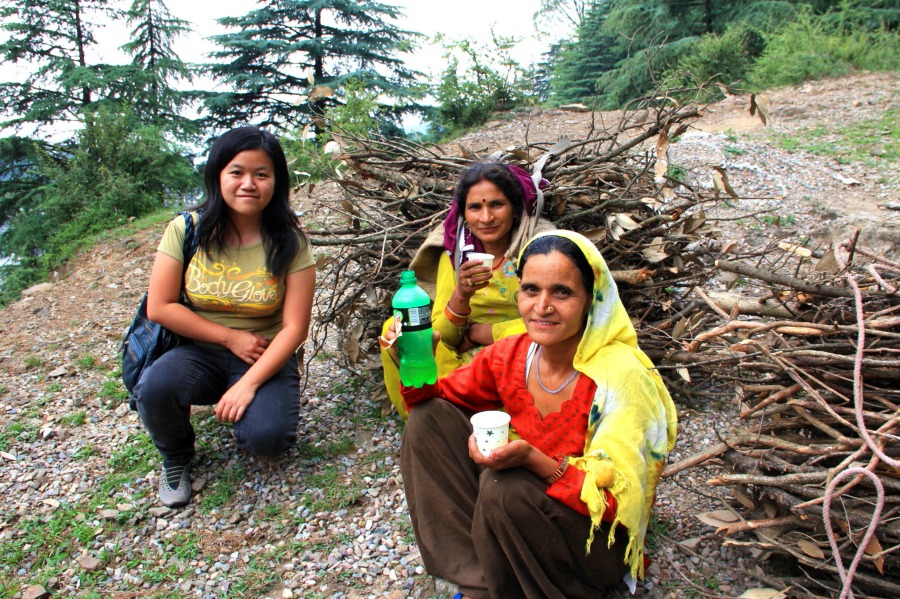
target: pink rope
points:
(847, 576)
(858, 403)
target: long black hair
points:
(498, 174)
(280, 227)
(546, 244)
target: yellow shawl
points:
(632, 424)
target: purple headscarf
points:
(454, 220)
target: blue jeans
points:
(193, 375)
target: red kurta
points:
(496, 380)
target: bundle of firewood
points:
(613, 186)
(814, 363)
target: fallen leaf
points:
(718, 518)
(873, 547)
(626, 222)
(827, 263)
(720, 183)
(760, 104)
(744, 499)
(655, 250)
(762, 593)
(598, 234)
(662, 159)
(728, 246)
(811, 549)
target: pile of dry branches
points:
(613, 186)
(815, 363)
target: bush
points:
(725, 59)
(816, 47)
(116, 170)
(478, 81)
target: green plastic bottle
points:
(413, 306)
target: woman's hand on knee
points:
(247, 346)
(234, 403)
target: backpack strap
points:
(188, 247)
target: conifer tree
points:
(286, 57)
(156, 69)
(582, 61)
(50, 40)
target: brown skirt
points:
(496, 533)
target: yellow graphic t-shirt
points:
(233, 287)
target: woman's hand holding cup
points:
(474, 274)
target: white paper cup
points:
(491, 430)
(486, 259)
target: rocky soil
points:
(78, 508)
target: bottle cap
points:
(408, 277)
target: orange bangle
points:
(458, 320)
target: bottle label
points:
(414, 319)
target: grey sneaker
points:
(175, 485)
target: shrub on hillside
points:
(821, 46)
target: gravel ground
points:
(78, 508)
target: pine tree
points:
(155, 68)
(50, 39)
(286, 58)
(581, 62)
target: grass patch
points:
(113, 392)
(86, 361)
(327, 492)
(137, 455)
(778, 220)
(33, 362)
(22, 431)
(875, 142)
(342, 446)
(223, 489)
(73, 420)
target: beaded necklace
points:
(537, 371)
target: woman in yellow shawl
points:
(593, 424)
(496, 208)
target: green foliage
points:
(820, 46)
(118, 169)
(582, 61)
(285, 60)
(50, 39)
(719, 58)
(636, 77)
(155, 68)
(629, 49)
(479, 80)
(357, 115)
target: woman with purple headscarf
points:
(496, 209)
